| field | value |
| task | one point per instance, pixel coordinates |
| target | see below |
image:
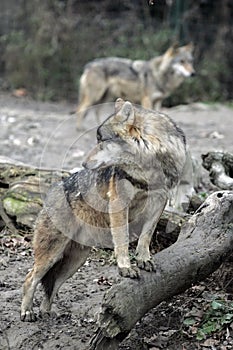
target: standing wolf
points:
(144, 82)
(116, 198)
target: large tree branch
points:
(204, 242)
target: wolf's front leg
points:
(157, 99)
(143, 256)
(123, 262)
(118, 213)
(120, 238)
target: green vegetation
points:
(13, 205)
(48, 48)
(218, 314)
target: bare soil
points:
(44, 134)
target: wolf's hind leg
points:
(41, 266)
(29, 287)
(74, 257)
(49, 246)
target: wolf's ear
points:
(124, 111)
(172, 50)
(190, 46)
(118, 104)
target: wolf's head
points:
(114, 136)
(180, 59)
(134, 136)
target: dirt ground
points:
(44, 134)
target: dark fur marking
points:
(84, 179)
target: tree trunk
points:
(204, 243)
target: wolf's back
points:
(115, 66)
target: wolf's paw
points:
(28, 316)
(147, 265)
(131, 272)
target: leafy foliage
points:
(218, 314)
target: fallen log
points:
(203, 244)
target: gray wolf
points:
(117, 197)
(144, 82)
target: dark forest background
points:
(44, 44)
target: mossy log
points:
(22, 190)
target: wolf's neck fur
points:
(165, 77)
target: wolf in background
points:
(143, 82)
(117, 197)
